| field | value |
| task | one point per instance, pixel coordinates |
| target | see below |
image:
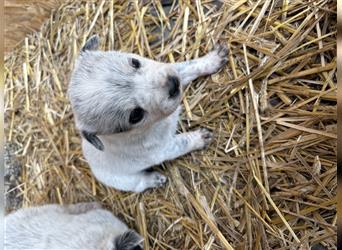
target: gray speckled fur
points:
(105, 88)
(78, 226)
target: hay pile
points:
(268, 181)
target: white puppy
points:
(78, 226)
(127, 107)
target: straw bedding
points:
(268, 181)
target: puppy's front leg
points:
(187, 142)
(206, 65)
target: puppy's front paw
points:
(203, 138)
(217, 58)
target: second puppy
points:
(76, 226)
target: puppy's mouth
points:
(172, 104)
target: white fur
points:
(79, 226)
(101, 106)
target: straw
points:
(267, 181)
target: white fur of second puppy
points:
(127, 107)
(78, 226)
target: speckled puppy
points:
(127, 107)
(76, 226)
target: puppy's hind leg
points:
(206, 65)
(137, 182)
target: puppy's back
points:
(63, 227)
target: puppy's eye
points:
(135, 63)
(136, 115)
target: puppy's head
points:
(116, 92)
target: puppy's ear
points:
(93, 139)
(92, 43)
(129, 240)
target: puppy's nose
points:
(173, 85)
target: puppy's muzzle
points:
(174, 86)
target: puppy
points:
(79, 226)
(127, 107)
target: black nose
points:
(173, 84)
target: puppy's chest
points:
(147, 145)
(152, 141)
(160, 134)
(155, 141)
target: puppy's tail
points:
(129, 240)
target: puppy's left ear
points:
(93, 139)
(129, 240)
(93, 43)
